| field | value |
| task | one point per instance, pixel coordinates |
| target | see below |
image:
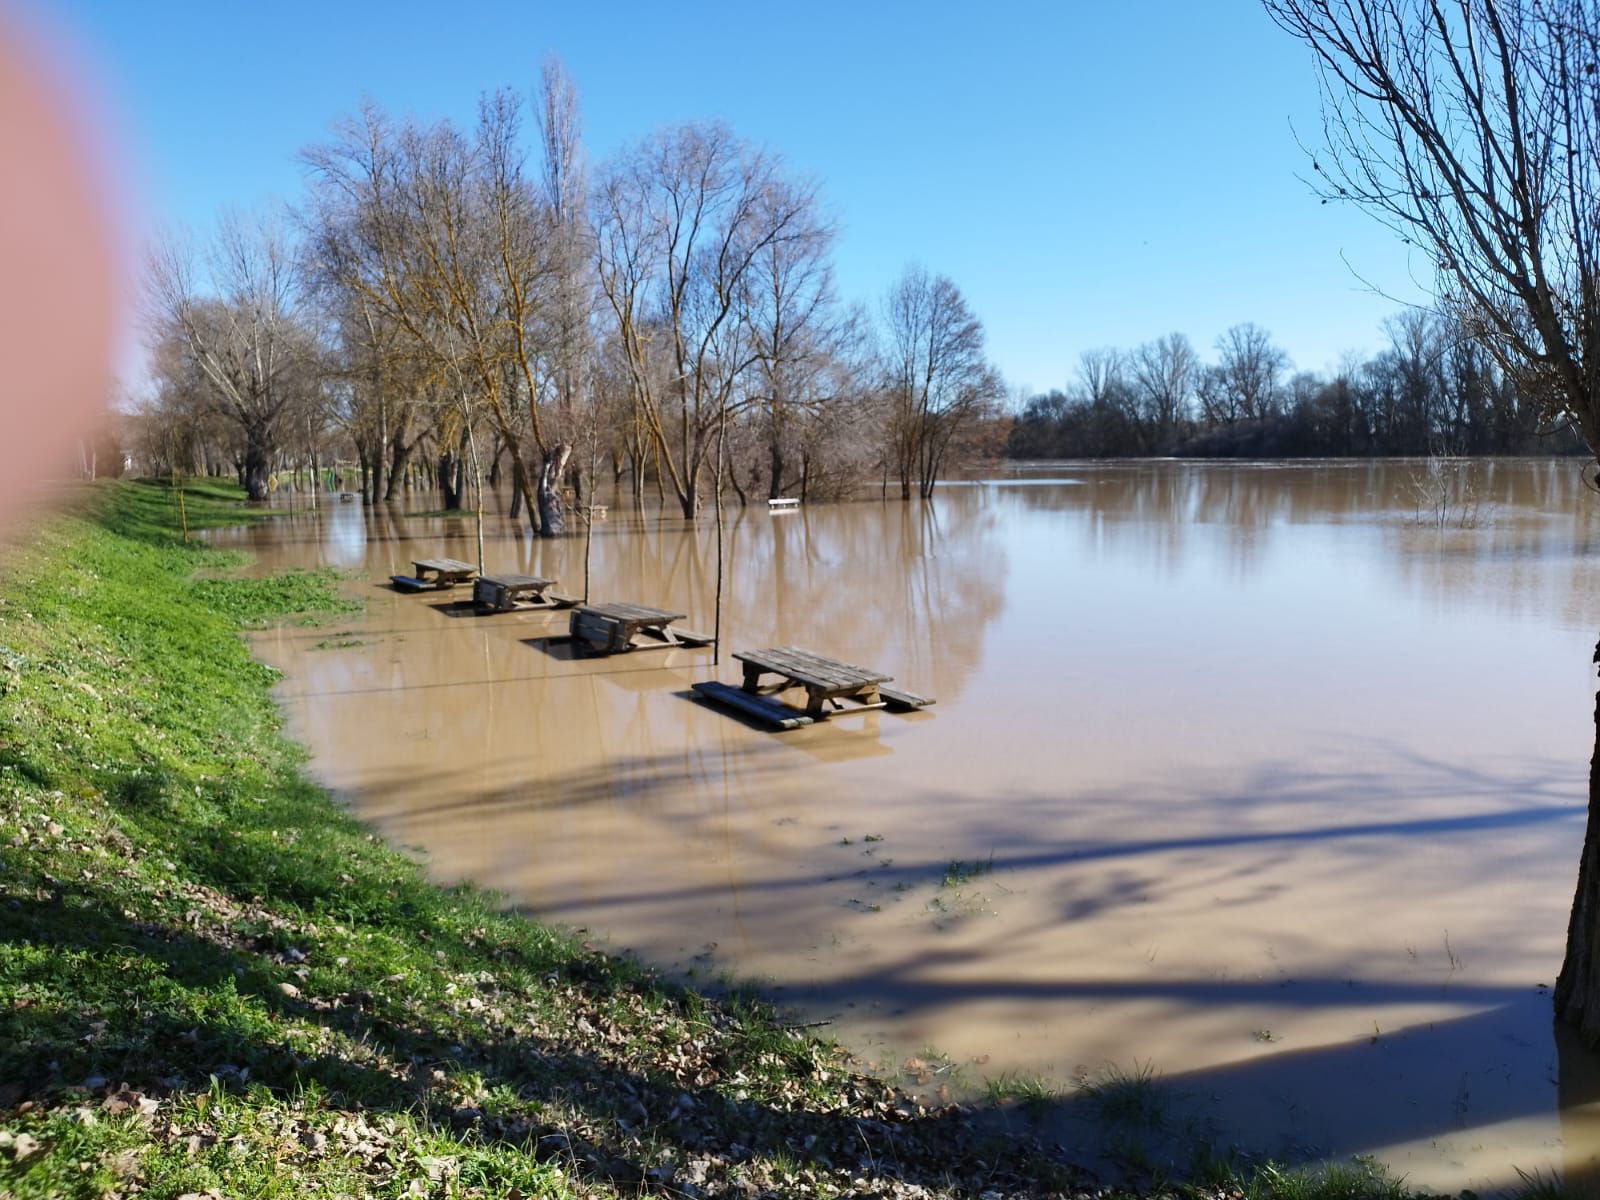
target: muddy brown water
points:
(1264, 782)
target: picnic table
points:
(825, 680)
(434, 573)
(618, 627)
(502, 593)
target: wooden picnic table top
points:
(518, 582)
(444, 566)
(632, 614)
(810, 669)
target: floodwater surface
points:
(1264, 782)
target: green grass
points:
(1032, 1094)
(1132, 1099)
(154, 512)
(1361, 1179)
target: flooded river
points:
(1265, 781)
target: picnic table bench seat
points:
(433, 574)
(763, 708)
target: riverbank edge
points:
(213, 981)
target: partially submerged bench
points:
(825, 680)
(434, 574)
(763, 708)
(619, 627)
(829, 684)
(503, 593)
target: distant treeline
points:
(1432, 391)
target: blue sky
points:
(1089, 174)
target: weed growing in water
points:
(339, 641)
(1134, 1098)
(959, 872)
(1031, 1094)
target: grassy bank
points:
(213, 982)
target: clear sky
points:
(1088, 173)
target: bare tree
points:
(790, 309)
(445, 236)
(239, 320)
(1164, 373)
(1244, 385)
(567, 317)
(180, 430)
(937, 377)
(1472, 128)
(681, 219)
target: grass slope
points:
(215, 983)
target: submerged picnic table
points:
(433, 573)
(502, 593)
(827, 681)
(824, 679)
(617, 627)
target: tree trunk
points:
(518, 486)
(399, 463)
(380, 448)
(450, 468)
(256, 465)
(775, 488)
(552, 513)
(1577, 994)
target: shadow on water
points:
(839, 738)
(1422, 1083)
(1543, 799)
(1471, 1056)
